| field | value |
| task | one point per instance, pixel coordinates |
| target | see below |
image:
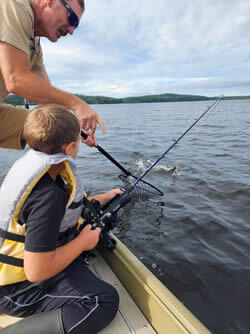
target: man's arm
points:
(15, 68)
(41, 72)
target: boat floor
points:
(129, 318)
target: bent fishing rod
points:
(121, 200)
(147, 186)
(213, 105)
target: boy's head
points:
(48, 128)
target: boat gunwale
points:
(162, 305)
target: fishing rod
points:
(121, 200)
(146, 186)
(216, 102)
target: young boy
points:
(41, 275)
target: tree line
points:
(17, 100)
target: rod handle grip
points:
(117, 203)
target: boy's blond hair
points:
(48, 127)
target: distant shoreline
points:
(17, 100)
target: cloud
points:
(126, 48)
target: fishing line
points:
(140, 187)
(214, 104)
(104, 220)
(131, 188)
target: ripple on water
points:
(196, 238)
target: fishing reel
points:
(92, 214)
(105, 217)
(91, 211)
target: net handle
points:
(117, 164)
(108, 156)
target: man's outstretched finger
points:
(101, 124)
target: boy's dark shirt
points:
(42, 214)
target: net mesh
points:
(142, 189)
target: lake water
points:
(196, 238)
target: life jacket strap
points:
(13, 261)
(12, 236)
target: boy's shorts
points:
(11, 126)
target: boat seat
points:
(129, 319)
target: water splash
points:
(141, 165)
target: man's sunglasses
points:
(72, 17)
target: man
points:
(22, 72)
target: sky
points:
(140, 47)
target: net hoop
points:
(142, 188)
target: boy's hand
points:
(107, 197)
(90, 237)
(113, 192)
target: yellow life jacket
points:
(16, 187)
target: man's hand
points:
(90, 140)
(88, 118)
